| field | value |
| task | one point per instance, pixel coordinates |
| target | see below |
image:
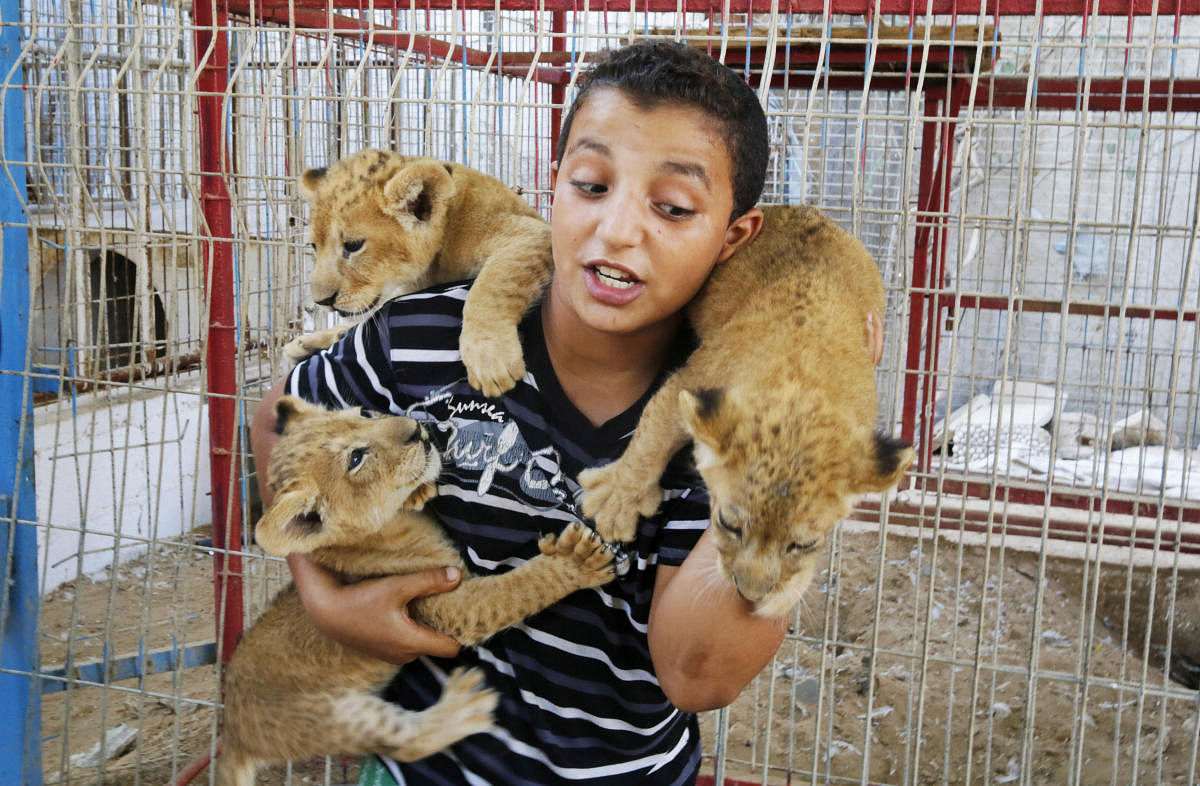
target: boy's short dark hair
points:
(654, 73)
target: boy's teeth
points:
(613, 277)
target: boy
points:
(661, 161)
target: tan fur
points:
(290, 692)
(780, 403)
(423, 222)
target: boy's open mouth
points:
(611, 276)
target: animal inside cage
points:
(1023, 610)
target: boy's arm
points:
(369, 616)
(705, 640)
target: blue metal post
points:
(20, 695)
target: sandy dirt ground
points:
(946, 697)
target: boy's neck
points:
(601, 373)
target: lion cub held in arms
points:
(384, 225)
(348, 491)
(779, 401)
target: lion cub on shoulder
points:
(383, 224)
(348, 493)
(779, 401)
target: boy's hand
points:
(875, 337)
(371, 616)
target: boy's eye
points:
(350, 246)
(675, 211)
(589, 188)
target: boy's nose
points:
(621, 225)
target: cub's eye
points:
(725, 525)
(350, 246)
(356, 458)
(800, 548)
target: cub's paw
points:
(493, 358)
(303, 347)
(585, 548)
(615, 501)
(465, 706)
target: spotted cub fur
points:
(348, 490)
(780, 403)
(383, 224)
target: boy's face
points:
(640, 217)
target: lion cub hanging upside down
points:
(779, 401)
(348, 491)
(384, 225)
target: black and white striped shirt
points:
(579, 698)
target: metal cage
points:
(1024, 610)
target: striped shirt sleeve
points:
(353, 372)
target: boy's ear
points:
(741, 231)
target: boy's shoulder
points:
(441, 298)
(408, 319)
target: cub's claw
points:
(584, 547)
(615, 502)
(465, 704)
(305, 346)
(494, 361)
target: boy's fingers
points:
(418, 637)
(429, 642)
(310, 577)
(431, 582)
(875, 337)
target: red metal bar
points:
(1050, 306)
(711, 780)
(959, 8)
(553, 67)
(1116, 503)
(212, 63)
(558, 91)
(1003, 520)
(1110, 94)
(197, 765)
(922, 310)
(940, 228)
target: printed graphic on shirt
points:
(488, 441)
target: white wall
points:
(115, 471)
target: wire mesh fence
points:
(1025, 610)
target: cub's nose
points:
(328, 301)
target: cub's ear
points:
(292, 525)
(418, 194)
(310, 181)
(287, 408)
(885, 464)
(708, 415)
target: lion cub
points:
(348, 491)
(384, 225)
(779, 401)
